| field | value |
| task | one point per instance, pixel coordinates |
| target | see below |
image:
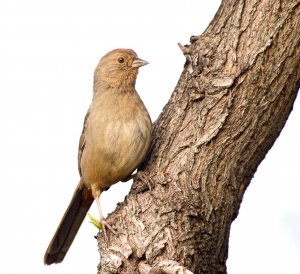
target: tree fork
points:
(232, 100)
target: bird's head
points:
(118, 68)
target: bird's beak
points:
(139, 63)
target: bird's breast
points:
(117, 140)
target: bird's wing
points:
(82, 140)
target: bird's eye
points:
(121, 60)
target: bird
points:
(114, 141)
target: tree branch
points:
(233, 98)
(164, 267)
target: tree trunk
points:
(232, 100)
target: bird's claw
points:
(141, 175)
(104, 224)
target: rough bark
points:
(231, 102)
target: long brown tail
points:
(69, 225)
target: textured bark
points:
(231, 102)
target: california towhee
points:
(114, 141)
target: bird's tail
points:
(69, 225)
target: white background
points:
(48, 52)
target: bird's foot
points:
(141, 175)
(104, 224)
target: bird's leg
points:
(140, 175)
(102, 219)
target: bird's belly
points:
(113, 152)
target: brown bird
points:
(114, 141)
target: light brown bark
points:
(231, 102)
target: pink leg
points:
(102, 219)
